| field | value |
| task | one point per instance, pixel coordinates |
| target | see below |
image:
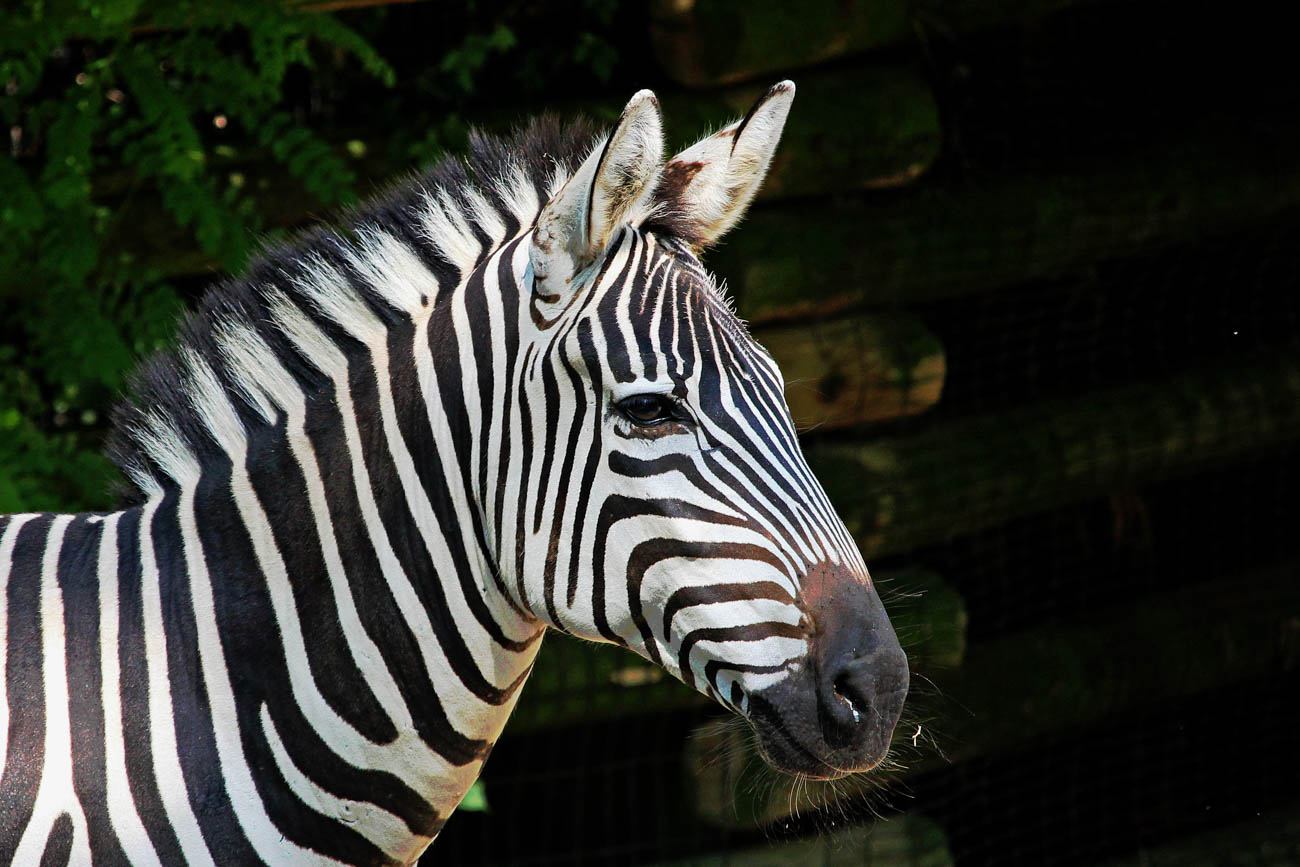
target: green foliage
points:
(474, 52)
(111, 103)
(475, 800)
(150, 141)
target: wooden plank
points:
(1013, 689)
(1134, 655)
(857, 370)
(705, 43)
(1268, 840)
(957, 477)
(940, 240)
(907, 840)
(575, 681)
(929, 616)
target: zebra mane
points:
(447, 219)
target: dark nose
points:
(861, 695)
(861, 671)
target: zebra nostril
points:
(844, 692)
(845, 699)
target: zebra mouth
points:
(817, 727)
(794, 759)
(800, 750)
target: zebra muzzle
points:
(836, 714)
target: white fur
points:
(330, 293)
(161, 442)
(395, 272)
(447, 230)
(380, 827)
(265, 839)
(461, 704)
(518, 193)
(485, 216)
(260, 378)
(408, 751)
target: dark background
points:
(1031, 269)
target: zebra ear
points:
(706, 189)
(581, 219)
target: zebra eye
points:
(647, 409)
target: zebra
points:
(502, 398)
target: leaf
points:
(475, 800)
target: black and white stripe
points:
(372, 473)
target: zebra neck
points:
(306, 658)
(318, 507)
(336, 581)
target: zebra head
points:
(665, 504)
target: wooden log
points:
(929, 616)
(1134, 655)
(857, 370)
(1268, 840)
(705, 43)
(907, 840)
(1013, 689)
(932, 242)
(576, 680)
(961, 476)
(313, 6)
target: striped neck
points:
(337, 584)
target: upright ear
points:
(578, 223)
(705, 189)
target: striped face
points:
(680, 518)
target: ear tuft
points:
(706, 189)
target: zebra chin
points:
(835, 714)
